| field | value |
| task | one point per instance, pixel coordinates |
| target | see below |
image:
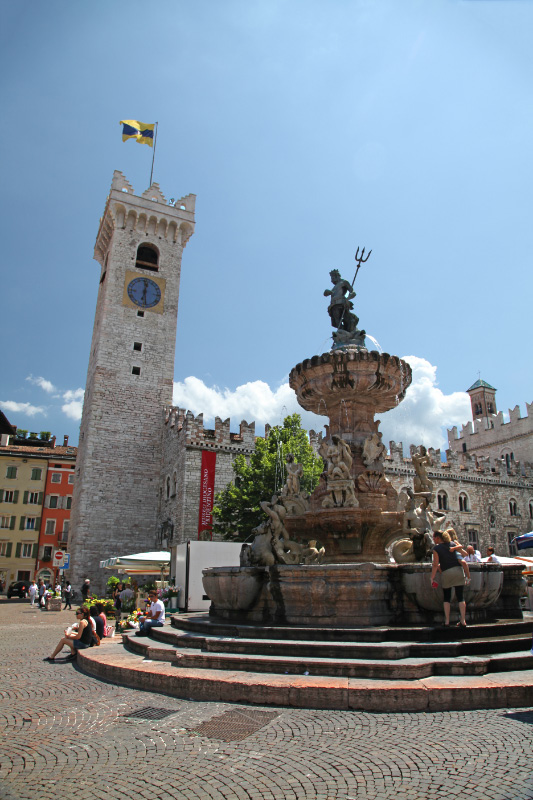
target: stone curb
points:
(497, 690)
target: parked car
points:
(17, 589)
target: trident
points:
(360, 260)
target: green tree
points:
(236, 511)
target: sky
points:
(307, 129)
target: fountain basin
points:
(234, 588)
(325, 594)
(359, 595)
(482, 592)
(352, 385)
(348, 534)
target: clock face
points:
(144, 292)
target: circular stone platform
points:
(371, 669)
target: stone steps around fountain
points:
(406, 668)
(113, 663)
(345, 650)
(203, 624)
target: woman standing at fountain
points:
(452, 576)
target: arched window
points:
(442, 498)
(513, 511)
(478, 410)
(463, 502)
(531, 509)
(147, 257)
(508, 460)
(168, 488)
(174, 485)
(490, 408)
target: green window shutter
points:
(25, 501)
(34, 550)
(40, 498)
(9, 549)
(17, 552)
(38, 524)
(1, 495)
(12, 524)
(16, 496)
(21, 525)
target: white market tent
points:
(153, 563)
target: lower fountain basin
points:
(325, 594)
(482, 592)
(358, 595)
(233, 588)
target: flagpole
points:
(153, 155)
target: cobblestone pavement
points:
(64, 734)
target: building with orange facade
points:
(36, 483)
(55, 520)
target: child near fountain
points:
(450, 536)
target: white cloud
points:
(426, 412)
(47, 386)
(22, 408)
(422, 417)
(73, 404)
(254, 401)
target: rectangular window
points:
(9, 497)
(33, 497)
(52, 501)
(30, 523)
(5, 522)
(23, 575)
(66, 526)
(69, 501)
(36, 474)
(56, 477)
(135, 370)
(71, 478)
(11, 472)
(137, 346)
(26, 550)
(3, 548)
(513, 550)
(50, 526)
(47, 553)
(473, 538)
(140, 313)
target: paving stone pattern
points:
(65, 735)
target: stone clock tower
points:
(130, 376)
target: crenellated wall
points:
(184, 440)
(492, 436)
(498, 500)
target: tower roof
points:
(481, 385)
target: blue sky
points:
(306, 129)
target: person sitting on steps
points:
(155, 616)
(77, 639)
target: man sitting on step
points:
(155, 616)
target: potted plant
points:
(169, 596)
(53, 601)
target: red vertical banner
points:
(207, 494)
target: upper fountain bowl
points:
(350, 386)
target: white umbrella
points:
(154, 560)
(153, 563)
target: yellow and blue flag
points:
(140, 131)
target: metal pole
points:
(153, 155)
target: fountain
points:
(352, 553)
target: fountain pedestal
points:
(352, 385)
